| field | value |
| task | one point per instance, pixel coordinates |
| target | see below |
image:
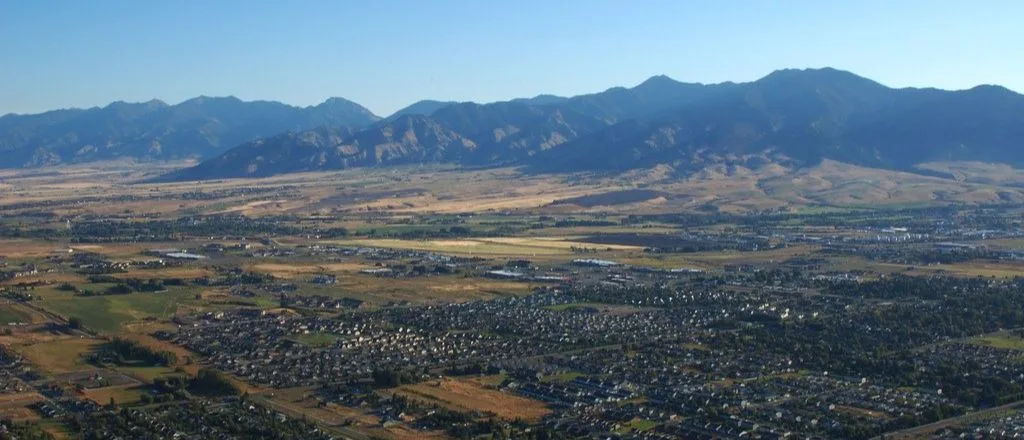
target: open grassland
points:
(180, 272)
(1012, 243)
(291, 270)
(583, 231)
(716, 260)
(860, 412)
(119, 395)
(1005, 341)
(460, 247)
(421, 290)
(19, 248)
(60, 356)
(317, 339)
(108, 313)
(468, 395)
(496, 247)
(993, 269)
(24, 335)
(23, 248)
(188, 362)
(423, 190)
(1005, 269)
(564, 377)
(299, 403)
(978, 172)
(15, 407)
(47, 278)
(146, 374)
(637, 425)
(562, 243)
(14, 313)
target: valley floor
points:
(830, 302)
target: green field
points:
(119, 395)
(10, 314)
(568, 376)
(60, 356)
(1001, 341)
(317, 339)
(637, 425)
(109, 313)
(146, 374)
(493, 247)
(571, 306)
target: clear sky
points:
(386, 54)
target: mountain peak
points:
(993, 89)
(204, 100)
(124, 109)
(335, 101)
(333, 108)
(658, 80)
(199, 127)
(543, 99)
(823, 74)
(805, 114)
(424, 107)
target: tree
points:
(75, 322)
(209, 382)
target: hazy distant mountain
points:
(423, 108)
(427, 107)
(510, 132)
(201, 127)
(467, 133)
(541, 100)
(647, 100)
(407, 139)
(792, 116)
(804, 116)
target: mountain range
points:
(793, 117)
(197, 128)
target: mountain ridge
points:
(791, 116)
(198, 127)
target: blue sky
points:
(387, 54)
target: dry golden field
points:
(115, 189)
(470, 395)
